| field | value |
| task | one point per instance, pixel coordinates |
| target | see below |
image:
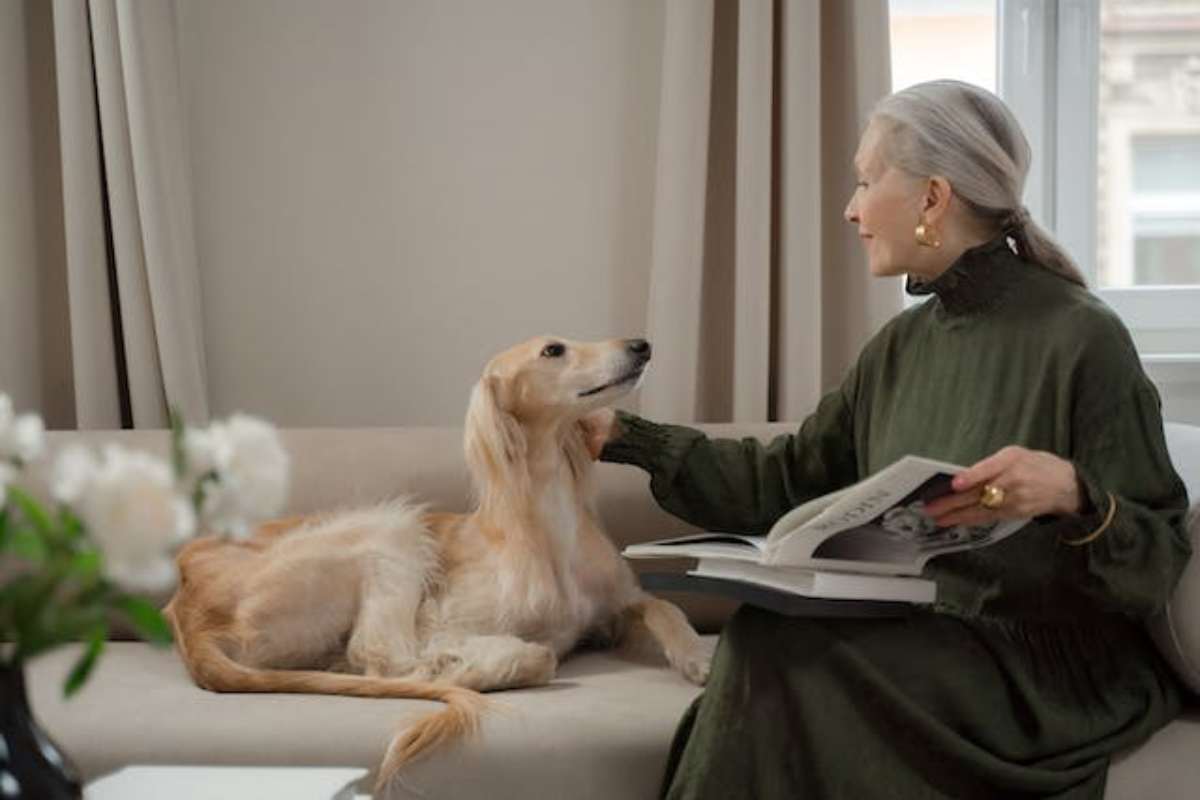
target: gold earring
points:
(926, 236)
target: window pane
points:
(1166, 259)
(1166, 163)
(933, 39)
(1148, 155)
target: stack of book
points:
(868, 543)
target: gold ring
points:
(992, 497)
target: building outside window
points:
(1148, 166)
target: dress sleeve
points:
(742, 485)
(1134, 564)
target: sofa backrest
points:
(1177, 629)
(340, 468)
(337, 468)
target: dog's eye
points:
(553, 350)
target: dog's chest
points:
(545, 604)
(541, 601)
(547, 582)
(558, 518)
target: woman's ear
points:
(494, 441)
(937, 199)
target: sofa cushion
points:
(600, 730)
(1164, 766)
(1177, 629)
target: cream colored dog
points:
(395, 601)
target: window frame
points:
(1048, 57)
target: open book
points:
(869, 541)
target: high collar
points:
(976, 281)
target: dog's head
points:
(545, 384)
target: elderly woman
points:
(1032, 669)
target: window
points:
(1148, 170)
(921, 27)
(1162, 208)
(1108, 92)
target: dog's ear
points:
(494, 441)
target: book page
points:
(879, 524)
(743, 547)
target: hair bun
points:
(1018, 218)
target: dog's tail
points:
(458, 720)
(212, 668)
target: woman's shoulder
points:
(897, 330)
(1073, 313)
(1087, 339)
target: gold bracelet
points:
(1112, 512)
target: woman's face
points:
(886, 207)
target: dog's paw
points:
(695, 666)
(435, 667)
(539, 665)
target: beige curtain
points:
(759, 293)
(132, 281)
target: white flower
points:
(74, 470)
(28, 437)
(21, 437)
(207, 450)
(131, 510)
(251, 472)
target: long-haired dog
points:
(396, 601)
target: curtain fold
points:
(98, 386)
(677, 249)
(752, 201)
(133, 283)
(759, 292)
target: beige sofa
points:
(600, 730)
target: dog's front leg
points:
(651, 618)
(384, 642)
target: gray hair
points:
(970, 137)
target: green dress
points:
(1033, 668)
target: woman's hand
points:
(1034, 482)
(597, 429)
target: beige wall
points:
(386, 193)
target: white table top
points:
(227, 783)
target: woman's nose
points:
(851, 212)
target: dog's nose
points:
(639, 347)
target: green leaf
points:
(28, 544)
(5, 527)
(201, 490)
(178, 453)
(147, 619)
(70, 524)
(83, 667)
(42, 616)
(85, 565)
(31, 510)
